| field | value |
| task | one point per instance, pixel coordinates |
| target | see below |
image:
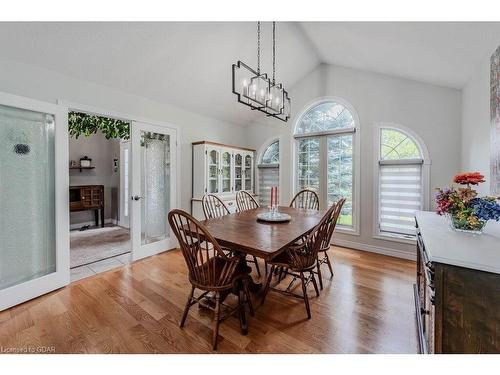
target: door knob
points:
(136, 197)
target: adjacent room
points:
(98, 193)
(250, 187)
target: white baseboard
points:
(92, 223)
(376, 249)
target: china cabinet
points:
(223, 170)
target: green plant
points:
(87, 125)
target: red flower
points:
(469, 178)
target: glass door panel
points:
(238, 165)
(248, 172)
(34, 205)
(340, 174)
(213, 171)
(27, 196)
(226, 172)
(308, 164)
(153, 189)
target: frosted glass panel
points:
(155, 181)
(27, 196)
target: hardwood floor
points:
(366, 308)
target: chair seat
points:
(208, 266)
(281, 260)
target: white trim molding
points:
(376, 249)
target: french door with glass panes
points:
(153, 188)
(325, 164)
(34, 199)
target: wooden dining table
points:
(243, 233)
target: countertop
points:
(445, 245)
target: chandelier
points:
(259, 92)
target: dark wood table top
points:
(243, 232)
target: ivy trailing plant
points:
(87, 125)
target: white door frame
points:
(71, 106)
(139, 250)
(124, 221)
(33, 288)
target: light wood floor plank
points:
(367, 307)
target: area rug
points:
(96, 244)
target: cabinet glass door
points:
(226, 172)
(213, 171)
(248, 172)
(238, 175)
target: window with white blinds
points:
(400, 190)
(400, 186)
(269, 173)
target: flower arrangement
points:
(467, 212)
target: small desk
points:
(87, 197)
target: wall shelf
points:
(80, 168)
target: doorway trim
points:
(72, 106)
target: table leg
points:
(253, 286)
(96, 217)
(102, 217)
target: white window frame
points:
(426, 166)
(260, 155)
(356, 133)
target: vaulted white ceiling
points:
(189, 64)
(442, 53)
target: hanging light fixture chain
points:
(258, 47)
(274, 52)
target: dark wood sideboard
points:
(457, 294)
(88, 197)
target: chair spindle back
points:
(213, 206)
(304, 256)
(245, 201)
(307, 199)
(209, 268)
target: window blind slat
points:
(400, 195)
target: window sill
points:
(347, 230)
(395, 238)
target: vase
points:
(464, 226)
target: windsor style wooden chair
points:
(301, 259)
(213, 206)
(210, 270)
(245, 201)
(307, 199)
(325, 245)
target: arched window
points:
(325, 149)
(268, 171)
(401, 185)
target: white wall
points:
(476, 123)
(102, 151)
(37, 83)
(432, 112)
